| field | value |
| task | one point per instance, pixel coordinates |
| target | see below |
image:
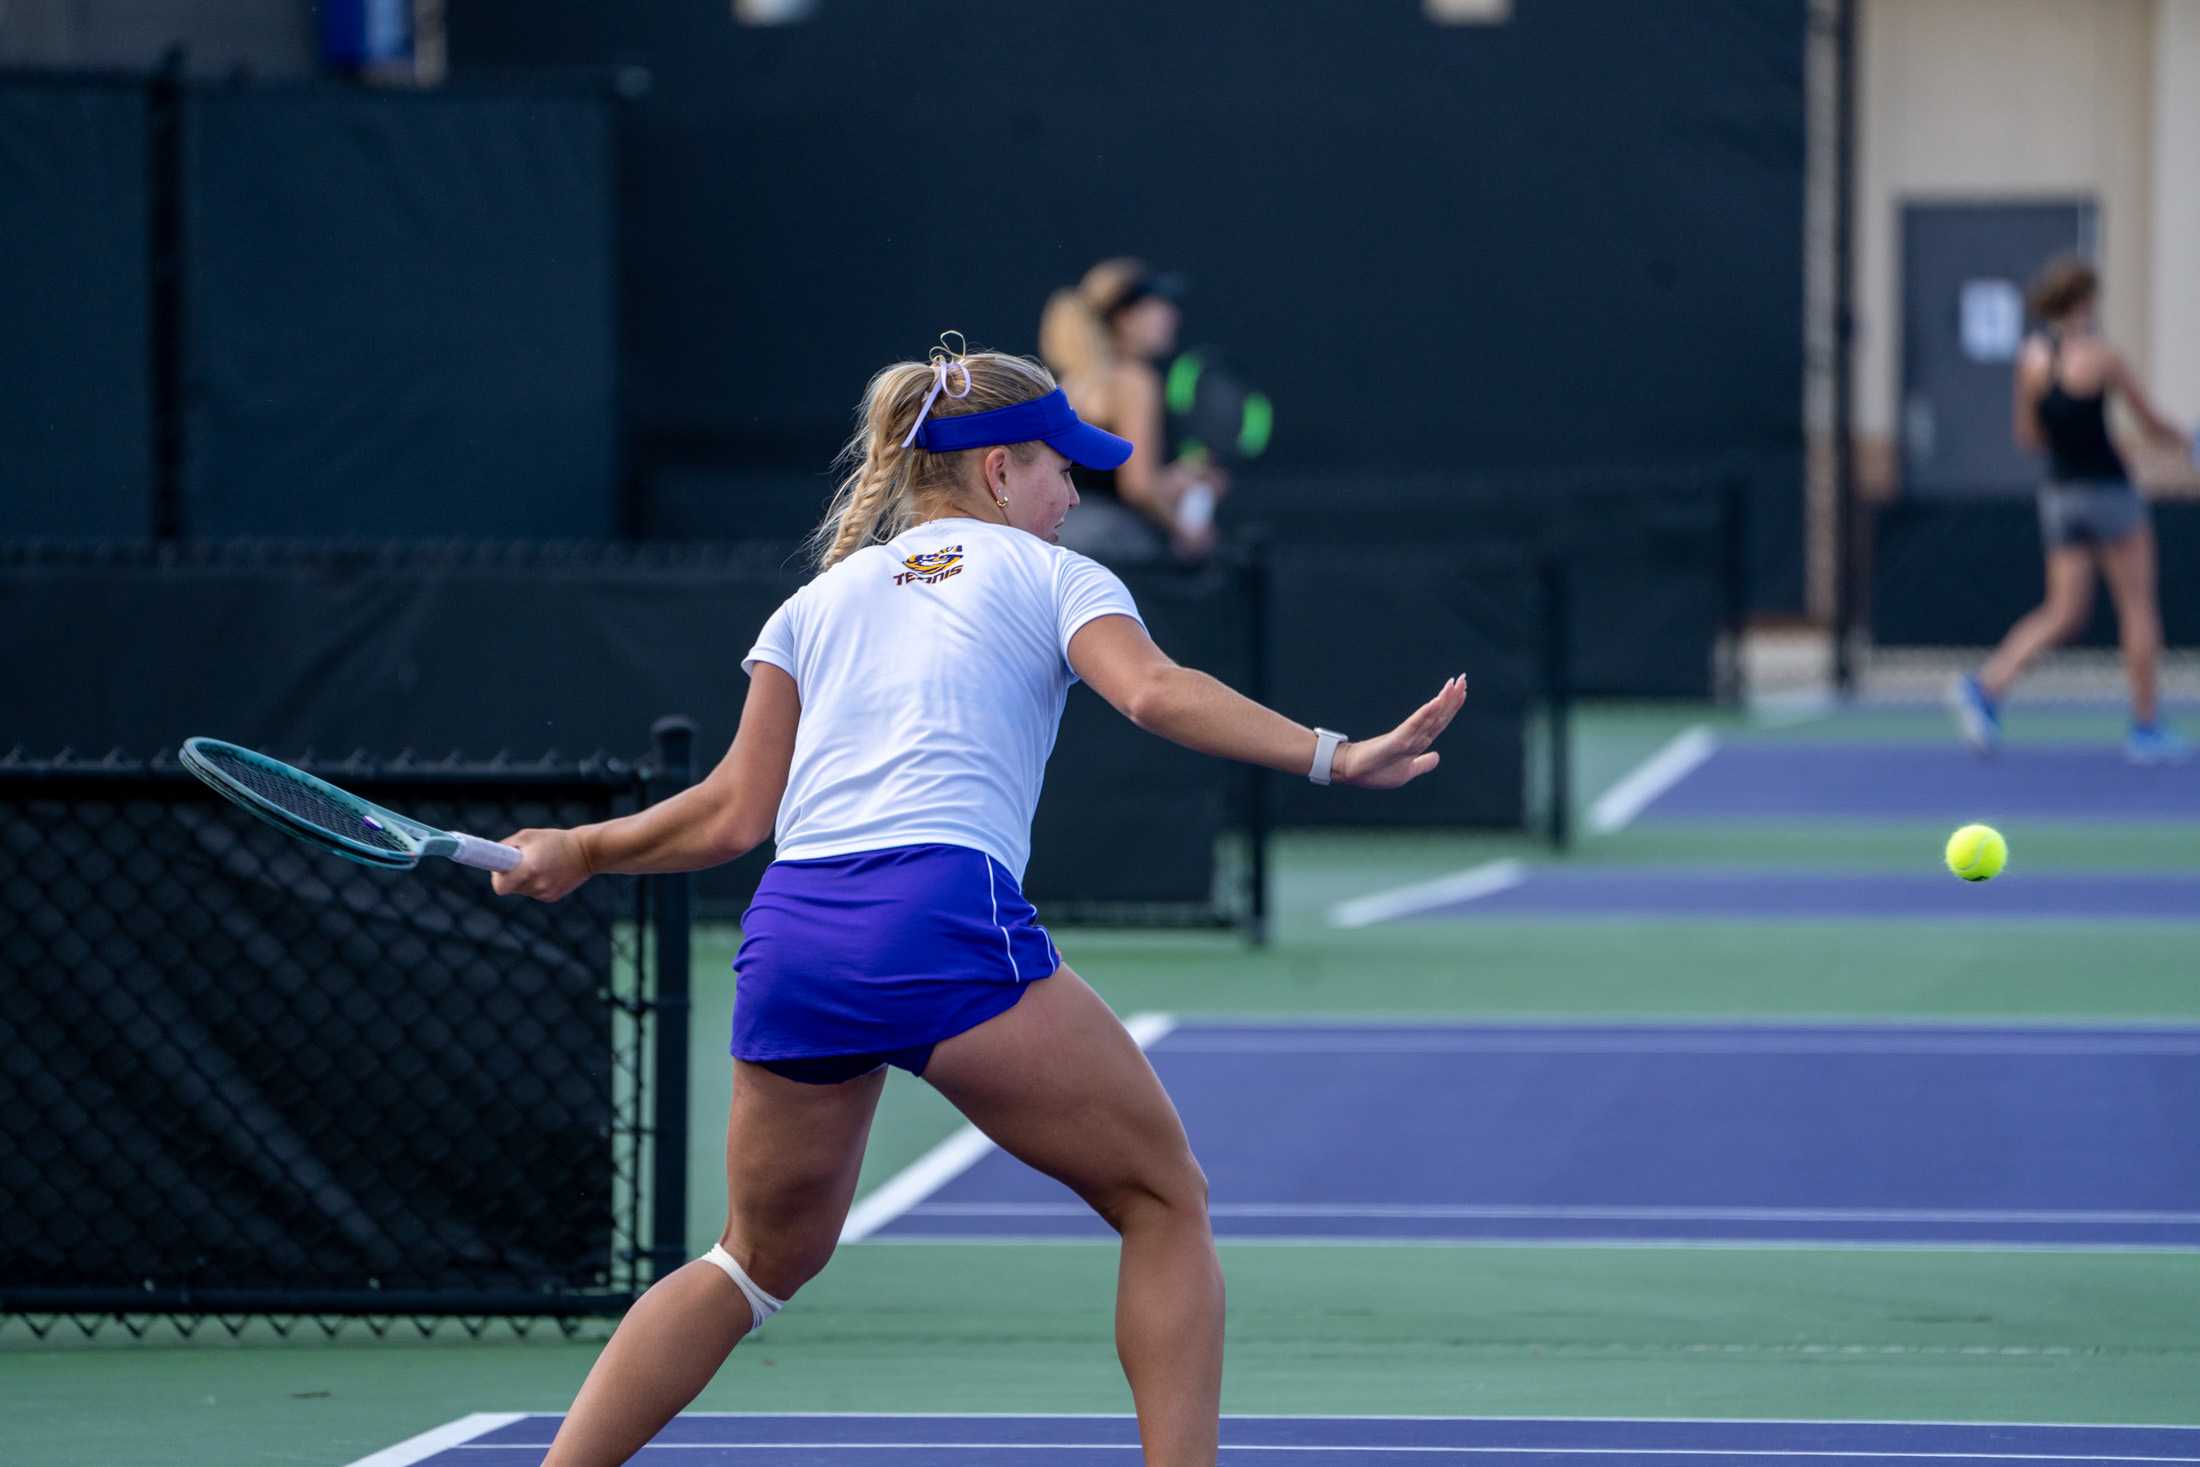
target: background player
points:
(2091, 515)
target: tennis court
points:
(1778, 1168)
(1837, 1135)
(1889, 779)
(442, 397)
(1737, 893)
(937, 1441)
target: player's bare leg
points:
(1060, 1085)
(793, 1152)
(2054, 621)
(2128, 567)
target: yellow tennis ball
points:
(1977, 853)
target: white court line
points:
(459, 1433)
(1192, 1021)
(1649, 1040)
(1420, 1450)
(2046, 1426)
(1150, 1029)
(1791, 709)
(1506, 1210)
(1653, 777)
(930, 1172)
(1106, 1239)
(956, 1155)
(1675, 1044)
(1469, 885)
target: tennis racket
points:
(320, 814)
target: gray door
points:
(1964, 269)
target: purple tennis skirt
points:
(882, 954)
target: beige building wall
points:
(2008, 99)
(2176, 264)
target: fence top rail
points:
(406, 769)
(1647, 476)
(774, 560)
(777, 557)
(585, 83)
(74, 78)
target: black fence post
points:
(1257, 778)
(672, 769)
(168, 387)
(1734, 586)
(630, 87)
(1845, 548)
(1558, 693)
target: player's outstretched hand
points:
(552, 864)
(1402, 754)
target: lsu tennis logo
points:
(930, 568)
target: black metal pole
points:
(629, 87)
(164, 149)
(1844, 340)
(671, 770)
(1734, 521)
(1256, 778)
(1558, 696)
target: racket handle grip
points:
(486, 854)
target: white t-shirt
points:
(933, 673)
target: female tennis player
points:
(901, 708)
(2090, 513)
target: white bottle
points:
(1196, 510)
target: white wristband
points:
(1325, 750)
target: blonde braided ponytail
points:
(872, 495)
(889, 485)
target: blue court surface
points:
(701, 1440)
(1938, 781)
(1665, 1135)
(1638, 893)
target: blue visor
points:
(1049, 420)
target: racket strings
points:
(306, 803)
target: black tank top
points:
(1097, 484)
(2076, 428)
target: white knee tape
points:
(761, 1304)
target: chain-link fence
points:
(240, 1077)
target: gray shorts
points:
(2090, 512)
(1113, 533)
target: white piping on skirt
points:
(1006, 945)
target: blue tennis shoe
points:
(1977, 719)
(2150, 743)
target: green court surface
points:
(1788, 1332)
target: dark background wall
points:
(1958, 573)
(1570, 242)
(75, 426)
(247, 309)
(400, 313)
(1574, 237)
